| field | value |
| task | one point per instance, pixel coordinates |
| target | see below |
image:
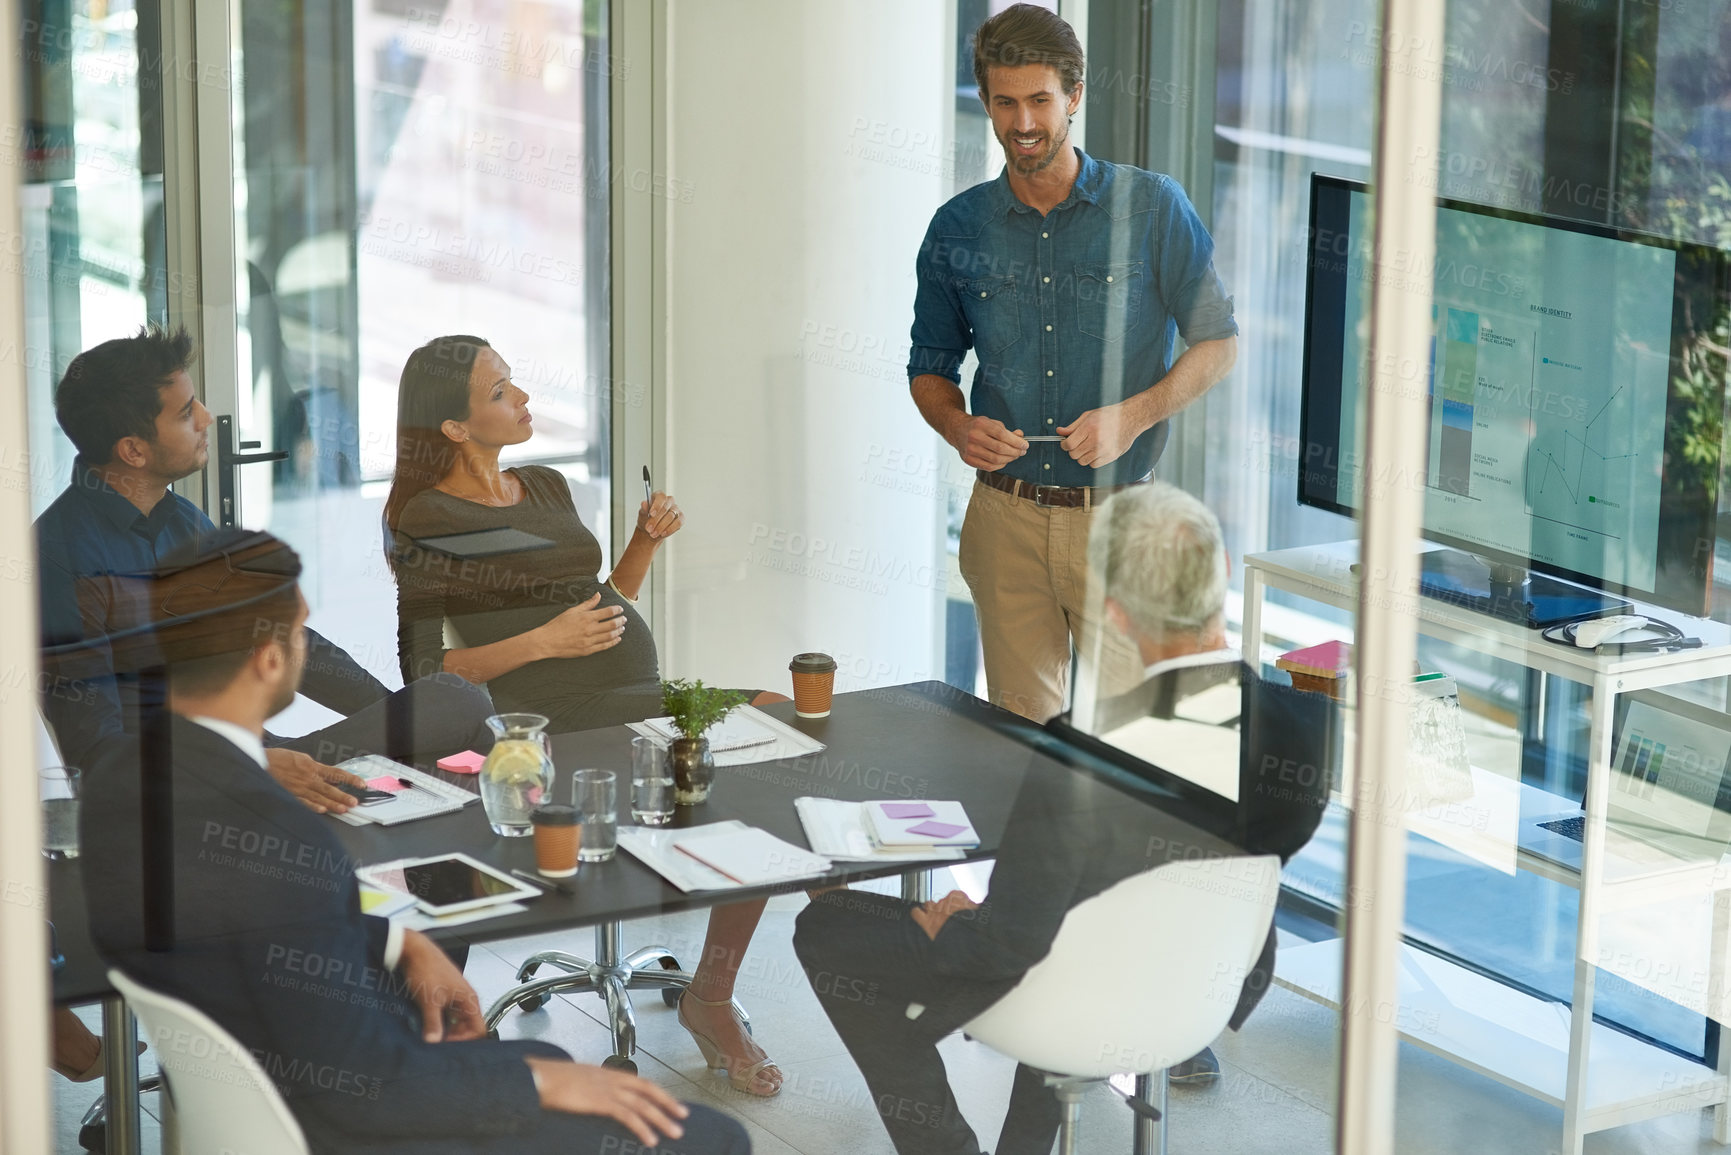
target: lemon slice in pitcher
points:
(515, 760)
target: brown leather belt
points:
(1066, 496)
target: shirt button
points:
(1044, 235)
(982, 294)
(1048, 467)
(1048, 328)
(1048, 421)
(1048, 280)
(1108, 280)
(1048, 372)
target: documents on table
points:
(425, 797)
(720, 856)
(838, 830)
(746, 735)
(417, 919)
(400, 908)
(384, 903)
(919, 823)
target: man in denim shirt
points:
(1069, 277)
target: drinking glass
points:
(61, 791)
(596, 796)
(651, 783)
(517, 773)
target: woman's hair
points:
(434, 389)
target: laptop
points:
(1670, 799)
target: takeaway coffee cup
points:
(813, 684)
(555, 839)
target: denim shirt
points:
(92, 544)
(1068, 312)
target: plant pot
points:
(693, 770)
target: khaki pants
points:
(1027, 566)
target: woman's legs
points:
(75, 1048)
(730, 931)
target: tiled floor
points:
(1276, 1094)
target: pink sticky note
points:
(390, 784)
(468, 762)
(936, 829)
(907, 810)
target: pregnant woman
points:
(525, 611)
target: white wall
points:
(810, 142)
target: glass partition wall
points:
(401, 171)
(1566, 137)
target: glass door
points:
(401, 172)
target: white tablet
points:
(447, 883)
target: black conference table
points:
(924, 740)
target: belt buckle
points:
(1040, 495)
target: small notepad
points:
(936, 831)
(468, 762)
(899, 810)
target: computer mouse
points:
(1592, 634)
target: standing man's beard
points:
(1028, 166)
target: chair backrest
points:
(1143, 975)
(222, 1099)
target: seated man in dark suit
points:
(870, 956)
(130, 409)
(207, 881)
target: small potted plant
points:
(694, 708)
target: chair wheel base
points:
(670, 995)
(532, 1003)
(619, 1063)
(93, 1137)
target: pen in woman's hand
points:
(648, 492)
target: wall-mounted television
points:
(1575, 386)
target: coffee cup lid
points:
(812, 664)
(554, 814)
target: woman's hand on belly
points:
(586, 628)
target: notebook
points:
(659, 849)
(837, 829)
(753, 857)
(745, 736)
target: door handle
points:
(227, 502)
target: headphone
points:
(1670, 640)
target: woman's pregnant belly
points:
(554, 686)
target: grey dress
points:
(489, 599)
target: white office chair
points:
(1188, 934)
(222, 1099)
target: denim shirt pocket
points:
(993, 312)
(1108, 298)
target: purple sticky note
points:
(936, 829)
(907, 810)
